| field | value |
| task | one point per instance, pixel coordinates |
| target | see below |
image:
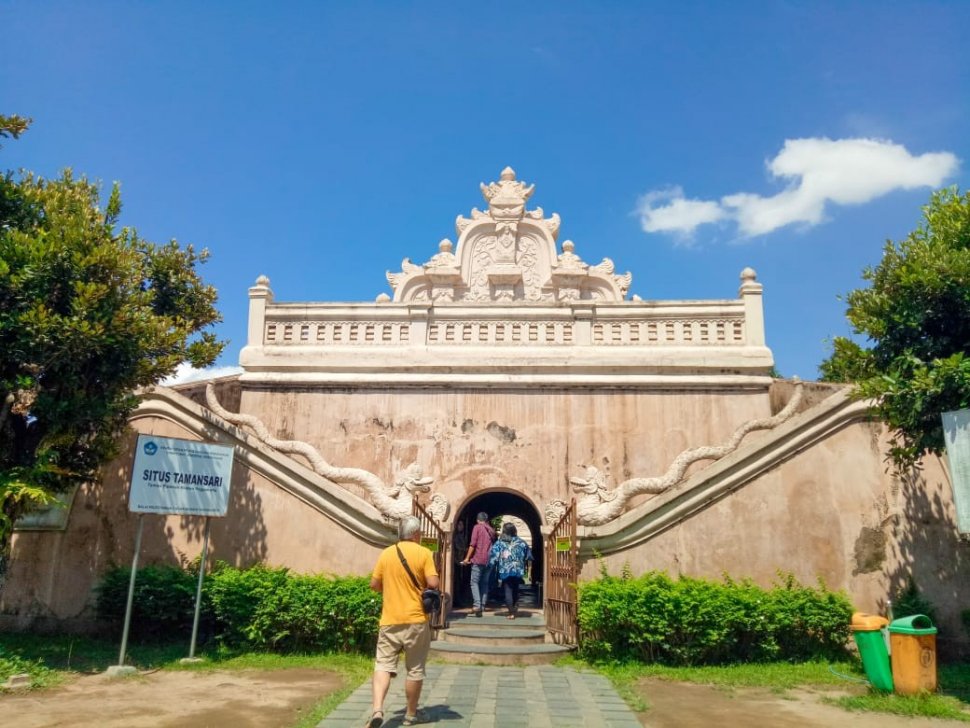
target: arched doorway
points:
(499, 503)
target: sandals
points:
(419, 717)
(376, 719)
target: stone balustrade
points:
(576, 343)
(708, 323)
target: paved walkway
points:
(462, 696)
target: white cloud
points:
(679, 214)
(818, 172)
(187, 373)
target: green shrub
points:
(163, 604)
(11, 663)
(909, 600)
(268, 608)
(257, 608)
(686, 621)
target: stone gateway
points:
(508, 374)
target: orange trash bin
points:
(912, 642)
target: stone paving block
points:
(458, 696)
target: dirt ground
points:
(278, 698)
(685, 705)
(241, 699)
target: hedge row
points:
(258, 608)
(651, 618)
(685, 621)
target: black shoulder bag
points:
(430, 598)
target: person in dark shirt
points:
(483, 536)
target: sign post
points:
(122, 668)
(175, 477)
(198, 594)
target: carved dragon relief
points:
(394, 502)
(597, 504)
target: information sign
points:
(180, 477)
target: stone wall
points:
(831, 512)
(53, 574)
(824, 508)
(530, 441)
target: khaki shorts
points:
(414, 640)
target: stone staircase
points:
(495, 640)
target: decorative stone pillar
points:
(754, 315)
(419, 315)
(583, 313)
(568, 274)
(260, 296)
(443, 273)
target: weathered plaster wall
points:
(830, 512)
(527, 440)
(53, 574)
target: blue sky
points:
(321, 143)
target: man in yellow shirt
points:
(404, 625)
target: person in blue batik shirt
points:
(512, 559)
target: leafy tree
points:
(916, 317)
(89, 313)
(13, 126)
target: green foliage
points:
(259, 608)
(13, 126)
(925, 705)
(163, 604)
(20, 497)
(89, 313)
(915, 315)
(12, 663)
(910, 600)
(264, 608)
(686, 621)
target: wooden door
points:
(561, 554)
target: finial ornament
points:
(749, 282)
(262, 281)
(507, 193)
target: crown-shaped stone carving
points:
(507, 254)
(507, 197)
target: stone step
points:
(524, 620)
(493, 636)
(537, 654)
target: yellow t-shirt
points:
(402, 602)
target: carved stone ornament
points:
(507, 254)
(394, 502)
(598, 504)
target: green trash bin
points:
(868, 632)
(913, 642)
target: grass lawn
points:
(50, 659)
(952, 701)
